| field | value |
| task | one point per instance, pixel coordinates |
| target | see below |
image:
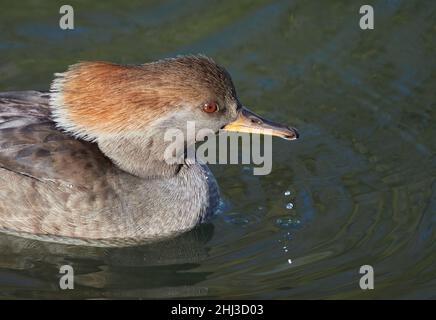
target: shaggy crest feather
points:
(59, 109)
(96, 99)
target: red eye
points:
(210, 107)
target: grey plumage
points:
(57, 188)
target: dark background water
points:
(361, 178)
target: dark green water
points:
(361, 178)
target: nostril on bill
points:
(256, 121)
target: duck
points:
(83, 163)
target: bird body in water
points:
(84, 163)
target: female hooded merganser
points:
(84, 164)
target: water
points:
(361, 178)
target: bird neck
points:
(142, 156)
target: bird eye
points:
(210, 107)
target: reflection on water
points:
(360, 181)
(31, 268)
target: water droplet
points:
(288, 223)
(287, 236)
(287, 193)
(290, 206)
